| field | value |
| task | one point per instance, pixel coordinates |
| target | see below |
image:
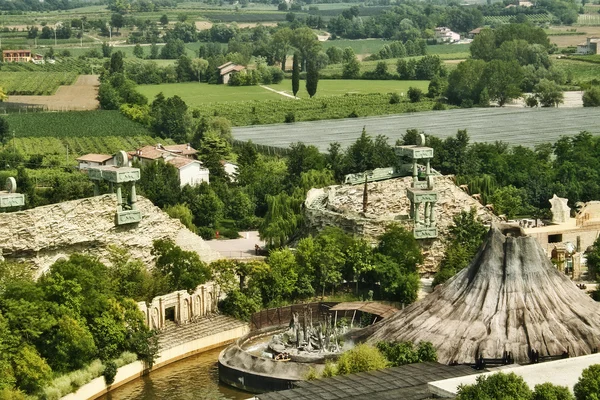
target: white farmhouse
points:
(191, 172)
(94, 160)
(445, 35)
(181, 156)
(227, 69)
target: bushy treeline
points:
(82, 310)
(512, 386)
(506, 62)
(318, 266)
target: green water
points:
(194, 378)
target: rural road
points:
(517, 126)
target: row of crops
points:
(34, 83)
(74, 146)
(588, 19)
(62, 65)
(74, 124)
(505, 19)
(332, 107)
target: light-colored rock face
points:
(510, 298)
(341, 206)
(42, 235)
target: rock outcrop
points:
(510, 298)
(341, 206)
(44, 234)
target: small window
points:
(555, 238)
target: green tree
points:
(199, 68)
(305, 41)
(593, 263)
(548, 391)
(164, 20)
(509, 201)
(591, 98)
(588, 385)
(184, 269)
(295, 74)
(351, 68)
(31, 371)
(548, 93)
(4, 130)
(206, 206)
(116, 62)
(159, 182)
(312, 77)
(415, 94)
(463, 82)
(183, 213)
(401, 246)
(117, 21)
(361, 358)
(466, 236)
(502, 79)
(153, 51)
(402, 353)
(138, 51)
(282, 219)
(106, 49)
(496, 386)
(170, 118)
(277, 283)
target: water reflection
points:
(195, 378)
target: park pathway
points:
(281, 93)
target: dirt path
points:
(79, 96)
(281, 93)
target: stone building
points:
(180, 307)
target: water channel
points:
(194, 378)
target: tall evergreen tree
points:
(295, 75)
(312, 78)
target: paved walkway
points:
(237, 248)
(279, 92)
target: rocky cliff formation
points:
(44, 234)
(341, 206)
(510, 298)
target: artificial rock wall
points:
(42, 235)
(341, 206)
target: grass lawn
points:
(195, 94)
(334, 87)
(360, 46)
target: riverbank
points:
(178, 343)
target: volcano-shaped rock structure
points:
(510, 298)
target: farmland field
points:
(65, 151)
(34, 83)
(195, 94)
(317, 108)
(581, 71)
(332, 87)
(588, 19)
(505, 19)
(360, 46)
(74, 124)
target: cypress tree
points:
(312, 78)
(295, 75)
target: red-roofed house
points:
(227, 69)
(94, 160)
(181, 156)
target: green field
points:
(74, 124)
(34, 83)
(336, 87)
(580, 71)
(195, 94)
